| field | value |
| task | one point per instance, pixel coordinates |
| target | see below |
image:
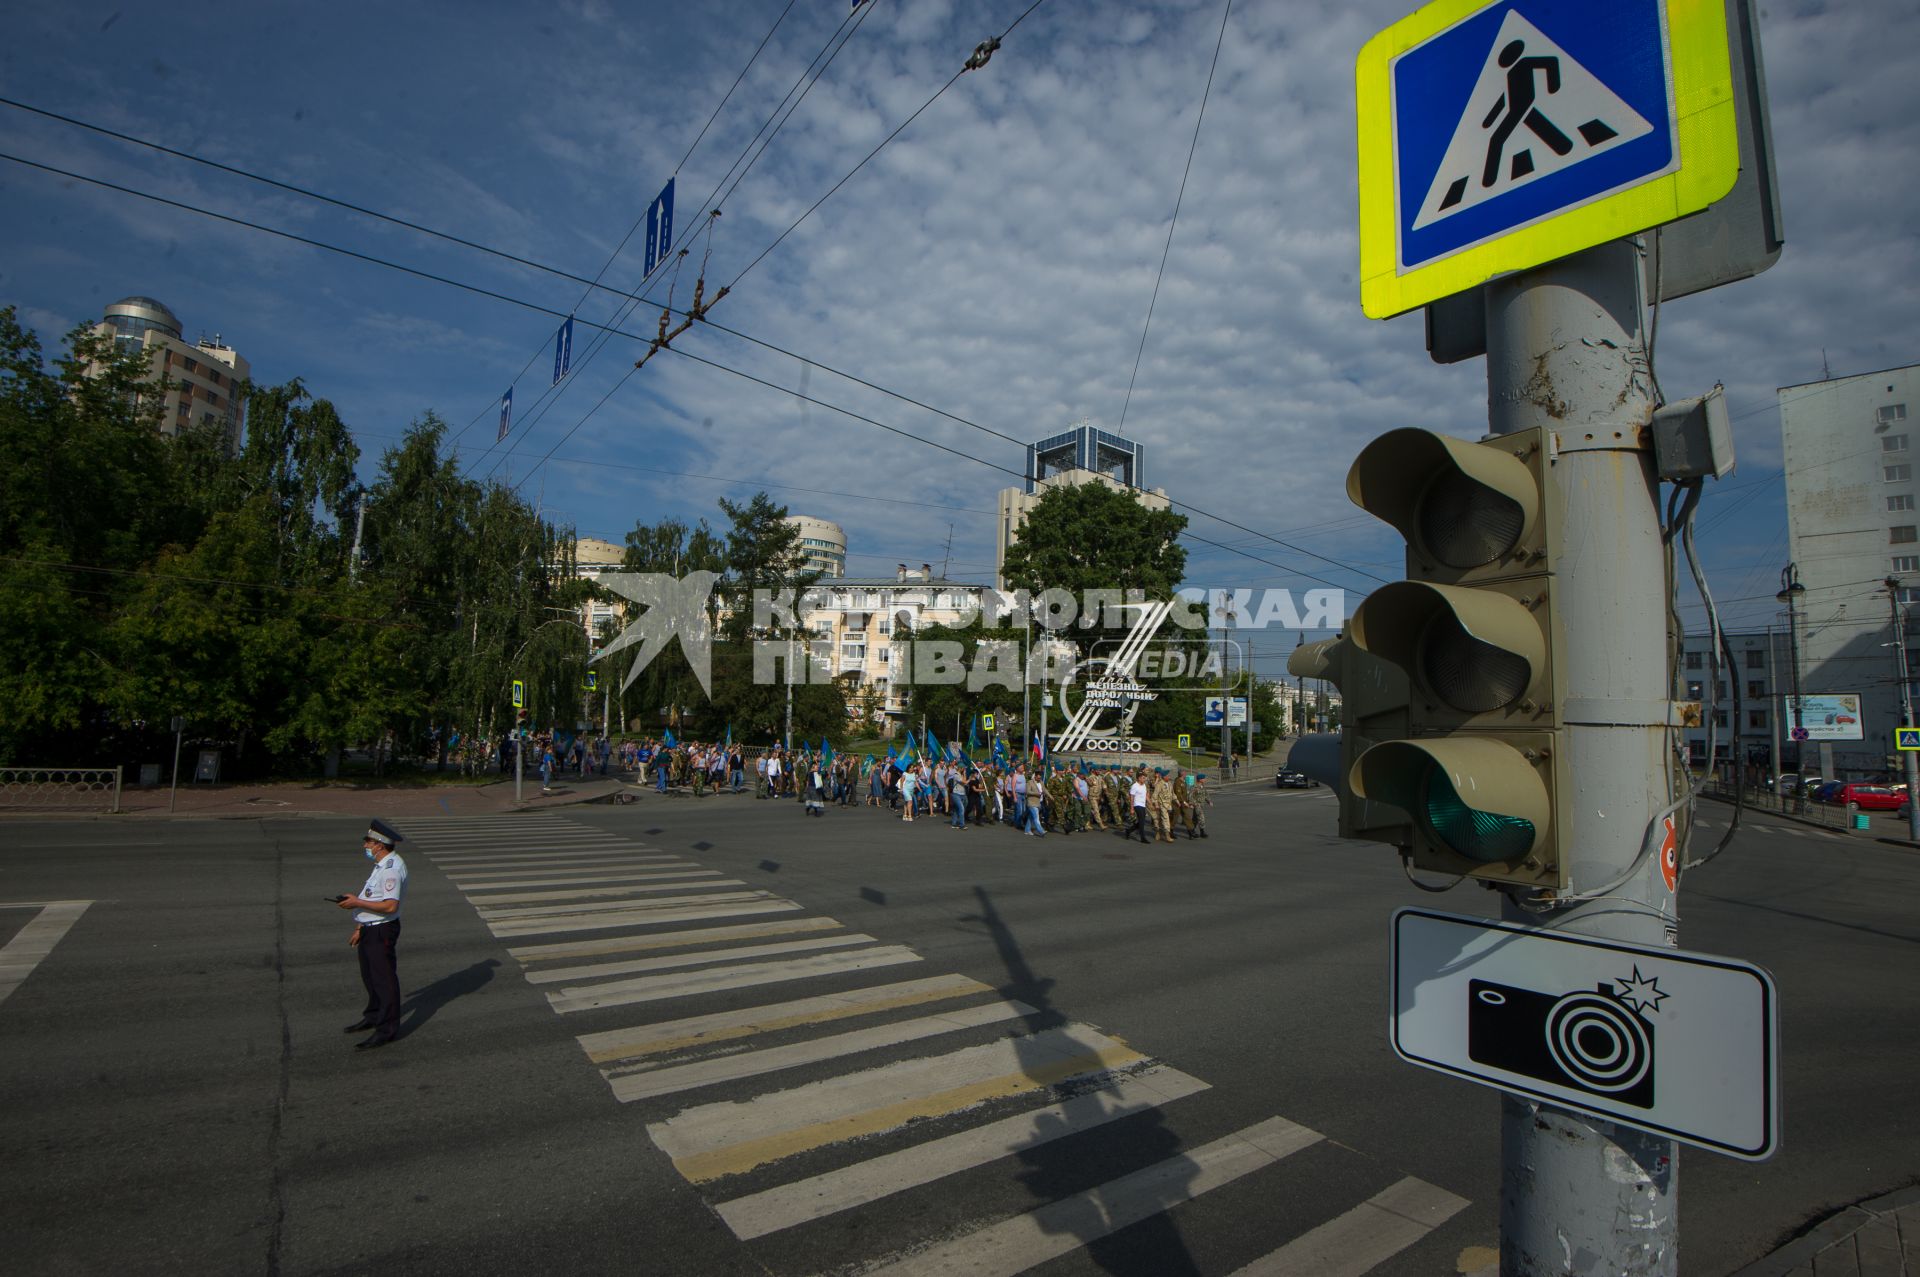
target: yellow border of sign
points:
(1709, 161)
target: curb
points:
(1836, 1228)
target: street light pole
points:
(1911, 758)
(1790, 590)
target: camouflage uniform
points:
(1198, 799)
(1057, 792)
(1160, 807)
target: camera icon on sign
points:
(1593, 1042)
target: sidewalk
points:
(1876, 1237)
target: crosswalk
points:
(794, 1069)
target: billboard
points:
(1832, 717)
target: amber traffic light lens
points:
(1472, 676)
(1466, 524)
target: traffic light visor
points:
(1464, 505)
(1481, 799)
(1474, 650)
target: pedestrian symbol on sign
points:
(1530, 83)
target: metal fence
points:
(1832, 815)
(60, 788)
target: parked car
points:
(1825, 790)
(1285, 779)
(1856, 797)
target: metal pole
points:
(1910, 758)
(1026, 673)
(1565, 350)
(1789, 587)
(519, 758)
(1253, 684)
(1773, 691)
(174, 796)
(788, 738)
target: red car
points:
(1867, 798)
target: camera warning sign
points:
(1681, 1044)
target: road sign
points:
(1903, 737)
(519, 694)
(986, 721)
(563, 350)
(659, 228)
(1495, 135)
(1836, 717)
(1682, 1044)
(593, 680)
(506, 415)
(1186, 741)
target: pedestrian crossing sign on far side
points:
(1906, 738)
(1496, 135)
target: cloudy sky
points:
(994, 262)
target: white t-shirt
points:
(773, 768)
(1138, 791)
(388, 881)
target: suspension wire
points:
(1179, 199)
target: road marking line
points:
(669, 939)
(766, 1212)
(655, 988)
(1364, 1237)
(599, 891)
(514, 881)
(654, 896)
(731, 1068)
(553, 975)
(722, 1026)
(1059, 1228)
(748, 904)
(34, 941)
(715, 1140)
(525, 856)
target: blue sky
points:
(995, 261)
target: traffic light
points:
(1373, 704)
(1476, 773)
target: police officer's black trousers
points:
(380, 972)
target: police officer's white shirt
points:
(388, 881)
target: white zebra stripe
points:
(655, 988)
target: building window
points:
(1693, 691)
(191, 365)
(1757, 719)
(1693, 660)
(1719, 718)
(1904, 534)
(886, 627)
(1755, 688)
(1893, 443)
(1906, 595)
(1899, 503)
(1906, 563)
(1897, 474)
(886, 654)
(1756, 659)
(1892, 412)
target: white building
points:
(592, 559)
(824, 544)
(854, 622)
(1850, 453)
(207, 378)
(1753, 734)
(1080, 455)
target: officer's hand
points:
(349, 902)
(353, 939)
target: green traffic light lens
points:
(1466, 524)
(1484, 836)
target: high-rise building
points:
(208, 377)
(1854, 543)
(823, 544)
(1075, 456)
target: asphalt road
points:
(177, 1095)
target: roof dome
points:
(152, 310)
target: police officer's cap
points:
(381, 832)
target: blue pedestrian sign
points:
(1499, 135)
(1906, 738)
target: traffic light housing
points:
(1476, 774)
(1373, 709)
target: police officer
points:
(376, 935)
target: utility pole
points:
(1773, 688)
(1790, 590)
(1908, 756)
(359, 526)
(1565, 351)
(788, 738)
(1253, 687)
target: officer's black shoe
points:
(359, 1026)
(377, 1040)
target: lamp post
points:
(1910, 758)
(1790, 590)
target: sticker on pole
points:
(1680, 1044)
(1495, 136)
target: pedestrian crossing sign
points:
(1906, 738)
(1495, 135)
(1186, 740)
(986, 721)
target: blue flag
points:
(668, 738)
(933, 746)
(729, 736)
(826, 750)
(973, 736)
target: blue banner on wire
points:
(563, 350)
(506, 415)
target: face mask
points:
(370, 855)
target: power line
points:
(1179, 199)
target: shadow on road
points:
(419, 1008)
(1056, 1172)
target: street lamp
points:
(1790, 591)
